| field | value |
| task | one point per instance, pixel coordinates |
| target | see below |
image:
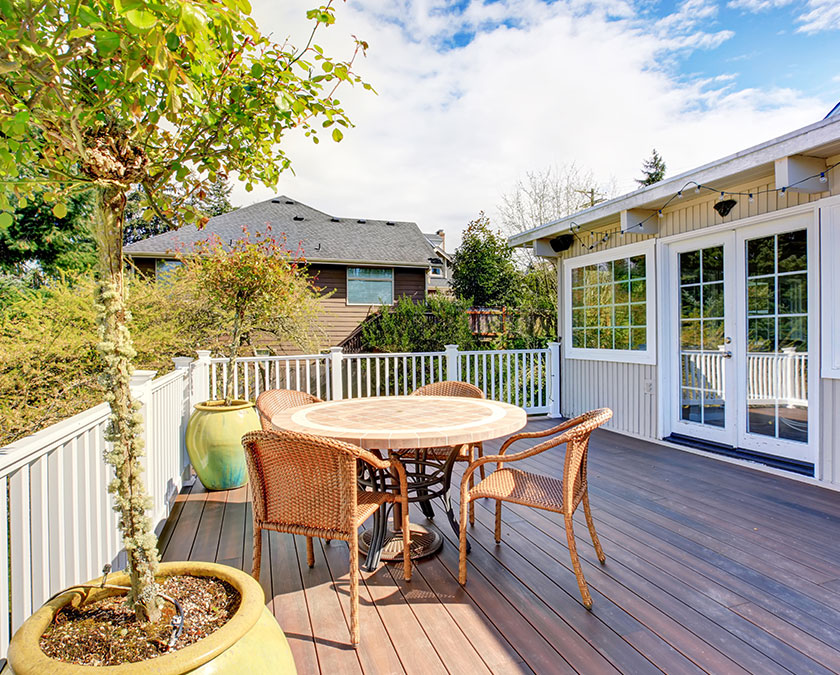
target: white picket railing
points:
(57, 523)
(775, 377)
(522, 377)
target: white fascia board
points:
(798, 142)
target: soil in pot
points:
(106, 632)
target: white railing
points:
(57, 524)
(776, 377)
(523, 377)
(256, 374)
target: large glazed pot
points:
(251, 642)
(214, 442)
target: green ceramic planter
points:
(214, 442)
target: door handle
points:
(727, 354)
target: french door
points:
(739, 338)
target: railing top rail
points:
(271, 357)
(169, 378)
(386, 355)
(40, 443)
(545, 350)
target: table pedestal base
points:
(423, 543)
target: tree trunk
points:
(125, 423)
(238, 321)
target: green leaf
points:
(140, 18)
(60, 210)
(79, 32)
(106, 42)
(173, 42)
(257, 70)
(5, 220)
(337, 135)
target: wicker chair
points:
(273, 401)
(307, 485)
(538, 491)
(467, 453)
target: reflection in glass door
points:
(702, 341)
(777, 336)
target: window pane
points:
(605, 339)
(622, 338)
(638, 314)
(760, 296)
(591, 338)
(793, 251)
(621, 292)
(637, 267)
(622, 315)
(690, 267)
(793, 333)
(638, 338)
(604, 272)
(793, 294)
(690, 302)
(690, 335)
(369, 292)
(578, 317)
(713, 264)
(761, 256)
(577, 338)
(712, 334)
(370, 273)
(761, 335)
(713, 300)
(577, 297)
(638, 291)
(577, 277)
(621, 271)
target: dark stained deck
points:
(710, 568)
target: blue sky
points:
(472, 95)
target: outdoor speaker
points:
(562, 243)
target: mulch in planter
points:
(106, 633)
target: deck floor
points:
(710, 567)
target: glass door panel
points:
(777, 336)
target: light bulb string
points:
(603, 237)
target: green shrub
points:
(410, 326)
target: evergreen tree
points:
(653, 170)
(483, 269)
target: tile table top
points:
(405, 421)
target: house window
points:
(437, 272)
(609, 301)
(165, 268)
(370, 286)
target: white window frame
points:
(347, 278)
(647, 355)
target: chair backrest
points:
(576, 436)
(273, 401)
(302, 480)
(449, 388)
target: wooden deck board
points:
(711, 567)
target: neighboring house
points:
(440, 274)
(712, 320)
(366, 263)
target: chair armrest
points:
(391, 463)
(537, 434)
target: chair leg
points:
(354, 591)
(472, 485)
(255, 566)
(462, 538)
(570, 538)
(591, 524)
(479, 454)
(406, 535)
(310, 553)
(498, 530)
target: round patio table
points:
(400, 423)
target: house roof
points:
(322, 237)
(821, 139)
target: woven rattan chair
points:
(538, 491)
(467, 453)
(273, 401)
(307, 485)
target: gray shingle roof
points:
(322, 237)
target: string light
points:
(574, 228)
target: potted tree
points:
(260, 285)
(103, 96)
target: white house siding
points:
(631, 389)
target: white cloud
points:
(453, 130)
(821, 15)
(757, 5)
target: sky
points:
(473, 94)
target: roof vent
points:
(362, 220)
(335, 220)
(298, 218)
(390, 222)
(289, 201)
(275, 201)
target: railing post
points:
(336, 389)
(200, 386)
(554, 381)
(184, 363)
(452, 362)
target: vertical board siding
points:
(830, 430)
(57, 523)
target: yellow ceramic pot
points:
(214, 442)
(251, 642)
